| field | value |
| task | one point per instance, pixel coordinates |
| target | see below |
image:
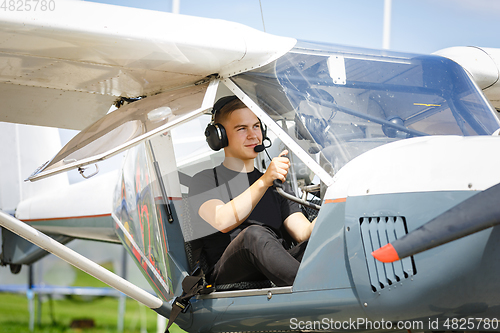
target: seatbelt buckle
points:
(207, 289)
(182, 303)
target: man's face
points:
(243, 134)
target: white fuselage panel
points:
(433, 163)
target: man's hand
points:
(278, 169)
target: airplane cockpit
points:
(332, 106)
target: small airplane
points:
(395, 149)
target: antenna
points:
(386, 38)
(262, 15)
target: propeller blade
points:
(477, 213)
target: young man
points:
(249, 218)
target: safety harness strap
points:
(191, 286)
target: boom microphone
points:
(259, 148)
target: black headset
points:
(215, 133)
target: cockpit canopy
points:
(343, 102)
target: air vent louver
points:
(375, 233)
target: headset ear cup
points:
(211, 136)
(216, 136)
(264, 130)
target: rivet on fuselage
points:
(366, 304)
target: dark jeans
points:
(258, 254)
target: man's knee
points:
(256, 235)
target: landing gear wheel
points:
(15, 268)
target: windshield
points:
(338, 103)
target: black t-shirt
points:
(225, 184)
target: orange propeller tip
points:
(386, 253)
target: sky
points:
(423, 26)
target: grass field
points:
(58, 314)
(14, 315)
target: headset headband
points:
(221, 102)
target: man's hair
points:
(228, 108)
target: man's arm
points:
(227, 216)
(299, 227)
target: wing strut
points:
(45, 242)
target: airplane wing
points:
(65, 65)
